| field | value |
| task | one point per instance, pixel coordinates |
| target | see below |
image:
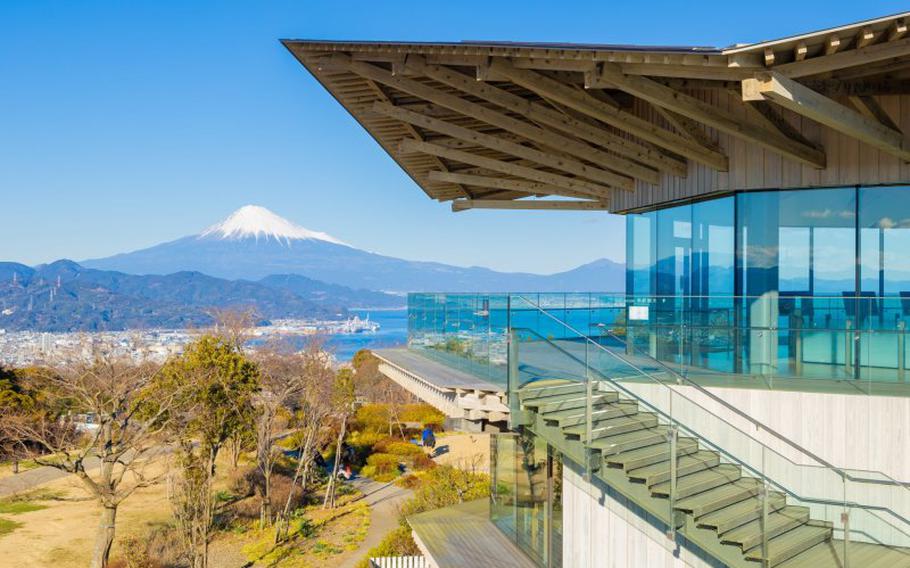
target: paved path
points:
(384, 500)
(32, 478)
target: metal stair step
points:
(749, 535)
(600, 411)
(695, 483)
(631, 441)
(563, 402)
(740, 513)
(613, 426)
(720, 497)
(641, 457)
(791, 543)
(530, 392)
(685, 465)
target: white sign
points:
(638, 313)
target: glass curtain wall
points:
(777, 282)
(526, 495)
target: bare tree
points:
(311, 409)
(217, 384)
(93, 421)
(284, 380)
(343, 398)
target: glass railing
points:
(863, 508)
(851, 344)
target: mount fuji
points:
(254, 243)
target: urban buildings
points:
(744, 401)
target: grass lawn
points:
(7, 526)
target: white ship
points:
(358, 325)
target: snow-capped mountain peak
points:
(253, 221)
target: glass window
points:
(640, 251)
(885, 237)
(674, 245)
(802, 242)
(526, 495)
(712, 247)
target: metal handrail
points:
(698, 387)
(720, 449)
(759, 425)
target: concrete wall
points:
(602, 530)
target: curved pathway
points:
(384, 500)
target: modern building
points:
(745, 400)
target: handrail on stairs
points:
(679, 378)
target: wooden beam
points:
(409, 145)
(524, 186)
(800, 51)
(696, 109)
(796, 97)
(843, 59)
(482, 113)
(617, 117)
(832, 44)
(495, 143)
(528, 205)
(687, 127)
(769, 57)
(897, 30)
(869, 107)
(865, 37)
(627, 149)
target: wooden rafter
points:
(508, 168)
(495, 143)
(479, 112)
(686, 105)
(617, 117)
(687, 127)
(802, 100)
(843, 59)
(523, 186)
(628, 151)
(381, 95)
(869, 107)
(528, 205)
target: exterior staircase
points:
(722, 505)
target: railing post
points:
(589, 426)
(798, 342)
(764, 492)
(901, 350)
(512, 379)
(673, 438)
(845, 521)
(848, 347)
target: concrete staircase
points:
(718, 499)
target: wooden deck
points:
(463, 535)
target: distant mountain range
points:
(64, 296)
(254, 259)
(254, 243)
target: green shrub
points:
(397, 543)
(381, 467)
(402, 449)
(444, 486)
(374, 417)
(424, 414)
(422, 462)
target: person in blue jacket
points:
(429, 439)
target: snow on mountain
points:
(254, 243)
(254, 221)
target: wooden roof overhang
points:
(551, 126)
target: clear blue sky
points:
(125, 124)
